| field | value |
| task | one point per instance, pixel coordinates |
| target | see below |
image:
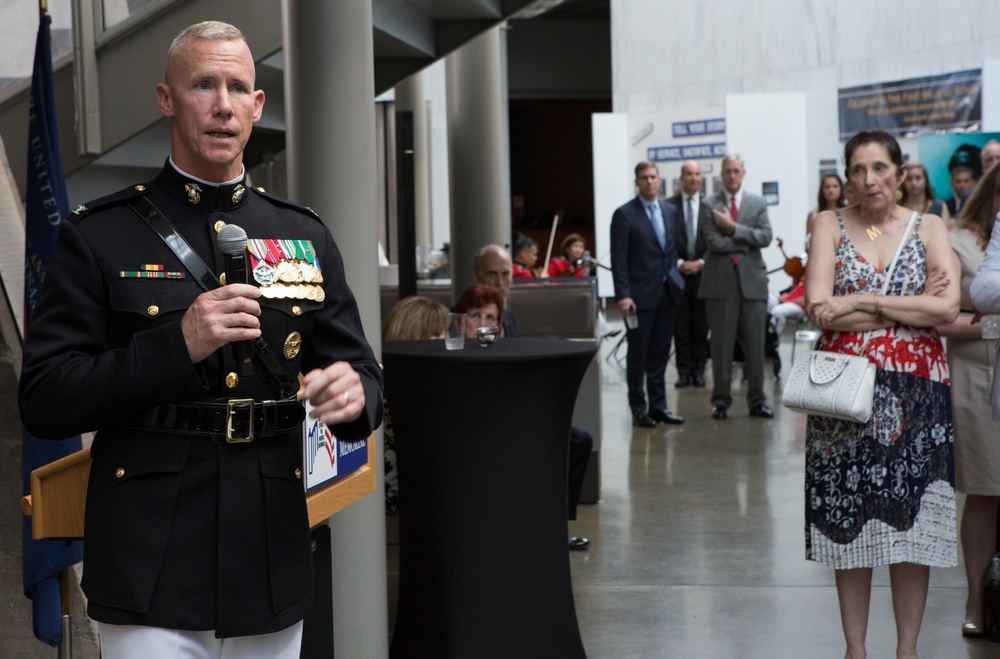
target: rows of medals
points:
(286, 269)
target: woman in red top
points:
(571, 263)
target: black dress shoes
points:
(682, 381)
(697, 380)
(576, 544)
(718, 412)
(762, 411)
(664, 416)
(642, 420)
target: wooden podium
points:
(59, 495)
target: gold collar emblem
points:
(193, 192)
(238, 194)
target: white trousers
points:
(136, 642)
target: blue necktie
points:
(656, 217)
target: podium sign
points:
(325, 457)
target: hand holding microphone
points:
(232, 241)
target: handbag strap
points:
(892, 268)
(899, 250)
(145, 209)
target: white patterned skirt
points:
(883, 492)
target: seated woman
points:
(525, 257)
(413, 318)
(571, 263)
(483, 306)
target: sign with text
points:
(686, 152)
(699, 127)
(952, 102)
(325, 457)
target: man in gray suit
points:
(734, 287)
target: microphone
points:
(232, 241)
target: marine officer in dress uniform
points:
(197, 533)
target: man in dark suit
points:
(691, 332)
(965, 167)
(197, 531)
(648, 288)
(734, 287)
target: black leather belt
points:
(237, 420)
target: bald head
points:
(691, 177)
(493, 267)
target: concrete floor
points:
(697, 543)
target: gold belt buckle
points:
(239, 406)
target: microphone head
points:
(232, 239)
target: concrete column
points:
(410, 97)
(478, 150)
(330, 133)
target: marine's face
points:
(210, 99)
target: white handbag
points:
(834, 384)
(831, 384)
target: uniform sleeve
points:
(72, 379)
(339, 336)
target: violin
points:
(793, 267)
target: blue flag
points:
(46, 205)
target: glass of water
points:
(455, 334)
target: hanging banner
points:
(950, 102)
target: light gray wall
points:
(693, 54)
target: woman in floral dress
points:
(882, 493)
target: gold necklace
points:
(873, 232)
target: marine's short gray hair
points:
(210, 30)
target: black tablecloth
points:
(481, 443)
